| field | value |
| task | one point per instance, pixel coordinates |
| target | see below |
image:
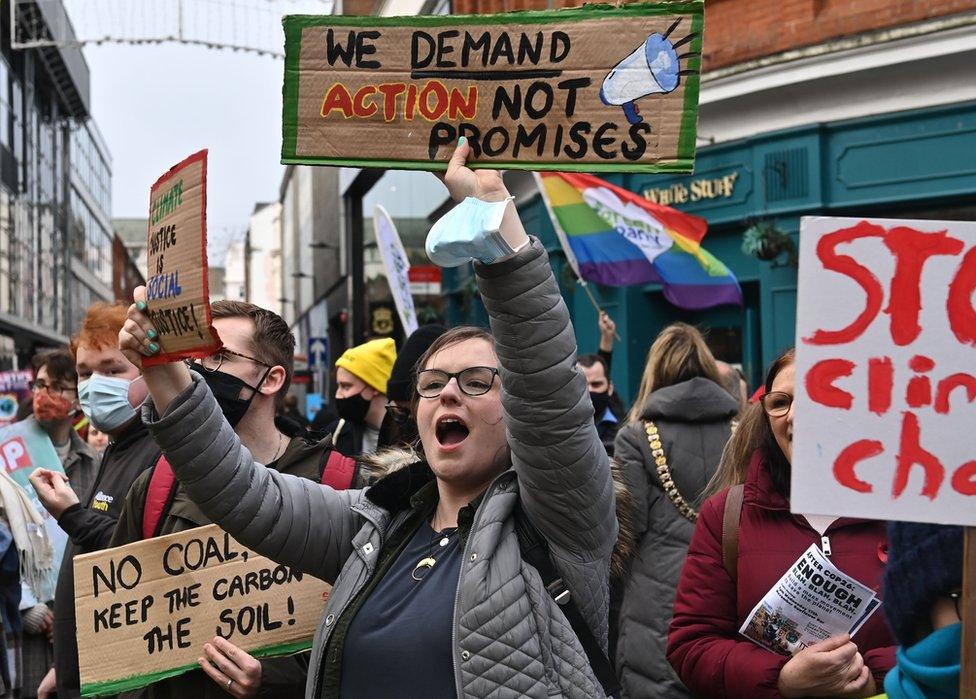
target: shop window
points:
(725, 343)
(5, 113)
(17, 106)
(6, 251)
(786, 174)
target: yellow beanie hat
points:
(372, 362)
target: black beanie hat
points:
(400, 384)
(924, 563)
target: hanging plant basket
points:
(767, 242)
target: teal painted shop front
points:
(918, 164)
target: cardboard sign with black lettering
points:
(177, 289)
(591, 89)
(145, 610)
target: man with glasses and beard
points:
(249, 377)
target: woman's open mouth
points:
(451, 431)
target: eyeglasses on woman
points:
(776, 403)
(473, 381)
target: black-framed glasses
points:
(955, 596)
(57, 389)
(473, 381)
(400, 415)
(214, 361)
(776, 403)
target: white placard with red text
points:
(885, 413)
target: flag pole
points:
(596, 305)
(567, 250)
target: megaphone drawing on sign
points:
(653, 67)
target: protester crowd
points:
(493, 519)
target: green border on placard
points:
(289, 91)
(684, 163)
(688, 134)
(127, 684)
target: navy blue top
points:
(399, 643)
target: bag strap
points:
(664, 473)
(339, 471)
(730, 530)
(535, 552)
(159, 497)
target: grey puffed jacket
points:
(694, 419)
(510, 638)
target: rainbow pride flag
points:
(617, 238)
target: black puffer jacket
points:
(694, 419)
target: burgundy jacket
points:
(704, 645)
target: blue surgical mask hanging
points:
(469, 230)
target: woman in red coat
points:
(704, 644)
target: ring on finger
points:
(229, 683)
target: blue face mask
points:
(469, 230)
(105, 401)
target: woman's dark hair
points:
(60, 365)
(753, 434)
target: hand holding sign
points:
(137, 342)
(484, 226)
(461, 181)
(237, 672)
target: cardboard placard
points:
(592, 89)
(397, 267)
(145, 610)
(24, 448)
(886, 370)
(177, 286)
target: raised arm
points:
(563, 469)
(291, 520)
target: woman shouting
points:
(432, 595)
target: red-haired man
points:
(110, 391)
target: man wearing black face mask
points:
(249, 378)
(605, 403)
(399, 429)
(608, 410)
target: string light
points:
(251, 26)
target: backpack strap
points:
(339, 471)
(535, 552)
(730, 530)
(159, 497)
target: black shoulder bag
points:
(535, 552)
